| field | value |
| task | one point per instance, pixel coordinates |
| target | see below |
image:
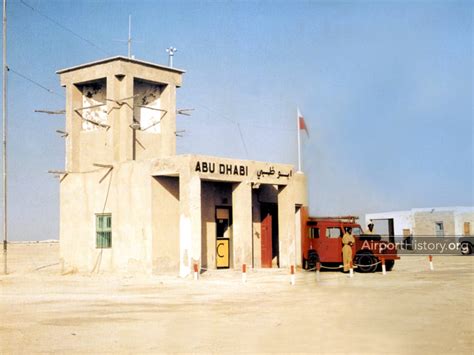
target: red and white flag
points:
(302, 123)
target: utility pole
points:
(4, 116)
(129, 36)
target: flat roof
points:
(122, 58)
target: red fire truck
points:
(322, 242)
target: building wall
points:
(165, 216)
(425, 222)
(421, 221)
(119, 192)
(462, 217)
(113, 84)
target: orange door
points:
(331, 245)
(266, 240)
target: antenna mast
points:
(129, 36)
(171, 51)
(4, 116)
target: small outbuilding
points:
(432, 221)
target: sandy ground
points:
(409, 310)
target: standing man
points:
(347, 242)
(371, 228)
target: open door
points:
(269, 234)
(223, 235)
(267, 240)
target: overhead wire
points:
(63, 27)
(243, 141)
(233, 122)
(223, 117)
(34, 82)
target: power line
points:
(64, 27)
(222, 117)
(243, 141)
(34, 82)
(233, 122)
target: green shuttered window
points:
(103, 226)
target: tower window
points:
(147, 111)
(94, 106)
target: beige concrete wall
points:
(190, 222)
(287, 226)
(119, 142)
(227, 170)
(165, 216)
(82, 196)
(120, 66)
(424, 222)
(300, 184)
(242, 223)
(162, 224)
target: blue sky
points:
(386, 89)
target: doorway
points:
(223, 237)
(385, 227)
(269, 235)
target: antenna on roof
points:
(129, 40)
(171, 51)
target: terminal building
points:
(128, 203)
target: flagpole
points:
(299, 138)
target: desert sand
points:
(409, 310)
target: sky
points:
(386, 90)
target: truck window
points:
(313, 233)
(333, 232)
(356, 231)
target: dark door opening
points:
(223, 236)
(269, 235)
(385, 227)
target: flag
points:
(302, 123)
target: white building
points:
(432, 221)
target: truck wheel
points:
(389, 264)
(466, 248)
(366, 262)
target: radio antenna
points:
(171, 51)
(129, 40)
